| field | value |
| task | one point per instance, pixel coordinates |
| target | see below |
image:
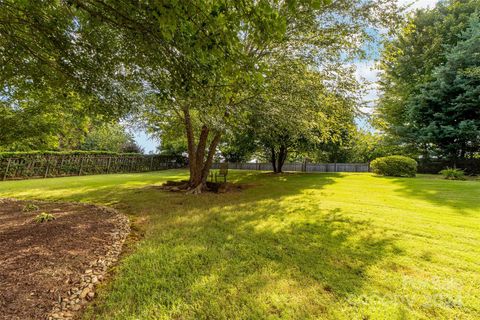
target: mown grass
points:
(295, 246)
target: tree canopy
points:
(446, 114)
(429, 82)
(194, 63)
(295, 114)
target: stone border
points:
(67, 307)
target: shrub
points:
(44, 217)
(395, 166)
(29, 207)
(453, 174)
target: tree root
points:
(197, 190)
(175, 186)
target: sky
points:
(365, 70)
(420, 3)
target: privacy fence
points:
(43, 165)
(302, 167)
(470, 166)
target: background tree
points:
(110, 137)
(132, 147)
(26, 124)
(359, 146)
(445, 114)
(192, 62)
(173, 148)
(410, 62)
(238, 145)
(293, 115)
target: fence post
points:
(81, 167)
(6, 170)
(60, 170)
(108, 164)
(48, 166)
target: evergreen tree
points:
(446, 112)
(411, 63)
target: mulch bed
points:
(40, 263)
(215, 187)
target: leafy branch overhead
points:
(198, 64)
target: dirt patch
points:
(43, 263)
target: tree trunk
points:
(278, 160)
(273, 159)
(199, 165)
(192, 159)
(211, 153)
(282, 156)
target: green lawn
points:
(296, 246)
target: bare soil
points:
(215, 187)
(40, 262)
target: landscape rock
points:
(78, 296)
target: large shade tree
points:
(193, 62)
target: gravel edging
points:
(67, 307)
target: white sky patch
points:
(146, 142)
(419, 4)
(366, 73)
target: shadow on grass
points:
(255, 254)
(105, 189)
(461, 195)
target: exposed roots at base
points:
(197, 190)
(208, 187)
(184, 186)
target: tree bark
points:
(198, 182)
(192, 159)
(273, 159)
(199, 164)
(278, 158)
(202, 144)
(211, 153)
(282, 156)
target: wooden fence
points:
(45, 166)
(302, 167)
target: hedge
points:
(396, 166)
(41, 164)
(10, 154)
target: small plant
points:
(453, 174)
(44, 217)
(29, 207)
(395, 166)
